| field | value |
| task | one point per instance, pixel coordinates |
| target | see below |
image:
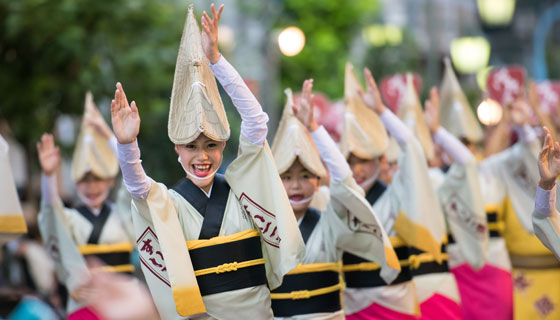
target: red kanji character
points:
(147, 246)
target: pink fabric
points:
(439, 307)
(84, 314)
(377, 312)
(485, 294)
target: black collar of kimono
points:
(212, 209)
(309, 222)
(375, 192)
(98, 221)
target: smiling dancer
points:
(210, 245)
(313, 289)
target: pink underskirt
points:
(439, 307)
(83, 314)
(377, 312)
(485, 294)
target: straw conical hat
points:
(393, 151)
(411, 114)
(293, 141)
(196, 106)
(92, 152)
(456, 114)
(364, 134)
(11, 214)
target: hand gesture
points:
(372, 98)
(125, 118)
(549, 162)
(431, 112)
(210, 34)
(49, 154)
(304, 111)
(95, 119)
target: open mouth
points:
(296, 197)
(201, 170)
(93, 196)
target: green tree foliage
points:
(330, 27)
(52, 52)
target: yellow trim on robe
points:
(413, 261)
(195, 244)
(119, 268)
(418, 236)
(12, 223)
(229, 267)
(105, 248)
(317, 267)
(306, 294)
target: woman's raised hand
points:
(49, 154)
(304, 110)
(125, 118)
(549, 162)
(210, 33)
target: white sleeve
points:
(49, 189)
(395, 126)
(135, 179)
(113, 145)
(526, 133)
(460, 153)
(545, 201)
(253, 118)
(546, 220)
(330, 154)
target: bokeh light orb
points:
(291, 41)
(470, 54)
(489, 112)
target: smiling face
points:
(93, 190)
(300, 184)
(201, 158)
(364, 171)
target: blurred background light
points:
(489, 112)
(379, 35)
(482, 76)
(226, 38)
(291, 41)
(496, 12)
(470, 54)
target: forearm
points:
(545, 201)
(49, 189)
(460, 153)
(396, 127)
(135, 179)
(253, 119)
(330, 154)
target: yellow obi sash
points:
(309, 288)
(115, 256)
(361, 273)
(227, 263)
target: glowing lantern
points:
(496, 12)
(470, 54)
(291, 41)
(489, 112)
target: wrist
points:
(215, 56)
(547, 184)
(312, 126)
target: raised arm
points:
(253, 118)
(546, 219)
(450, 143)
(330, 154)
(372, 99)
(126, 125)
(49, 159)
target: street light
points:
(489, 112)
(496, 13)
(470, 54)
(291, 41)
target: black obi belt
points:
(228, 263)
(115, 256)
(361, 273)
(309, 288)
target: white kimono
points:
(406, 194)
